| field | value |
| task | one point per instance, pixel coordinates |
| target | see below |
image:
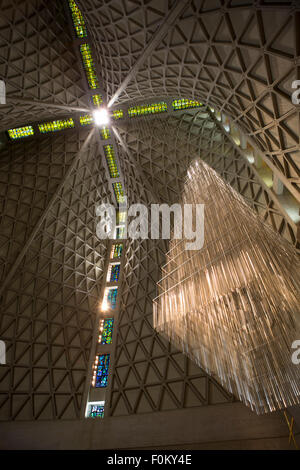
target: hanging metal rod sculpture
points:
(233, 306)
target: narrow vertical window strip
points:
(101, 366)
(111, 161)
(119, 193)
(106, 330)
(78, 20)
(97, 100)
(89, 66)
(105, 133)
(113, 272)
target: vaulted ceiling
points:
(237, 56)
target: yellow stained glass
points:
(54, 126)
(89, 66)
(86, 119)
(185, 104)
(20, 132)
(111, 161)
(78, 20)
(118, 114)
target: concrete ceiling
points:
(239, 57)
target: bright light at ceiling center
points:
(101, 117)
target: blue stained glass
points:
(115, 273)
(107, 332)
(96, 411)
(102, 370)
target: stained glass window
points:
(78, 20)
(144, 109)
(89, 66)
(116, 251)
(113, 272)
(120, 233)
(185, 104)
(101, 370)
(95, 410)
(118, 114)
(20, 132)
(86, 119)
(112, 297)
(97, 100)
(118, 189)
(105, 133)
(107, 330)
(54, 126)
(111, 161)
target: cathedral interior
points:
(112, 101)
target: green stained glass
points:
(54, 126)
(185, 104)
(89, 66)
(86, 119)
(108, 323)
(97, 100)
(20, 132)
(118, 114)
(78, 20)
(116, 251)
(111, 161)
(119, 193)
(105, 133)
(143, 110)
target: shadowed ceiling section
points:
(37, 60)
(30, 173)
(49, 308)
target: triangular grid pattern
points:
(37, 61)
(49, 308)
(240, 57)
(30, 173)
